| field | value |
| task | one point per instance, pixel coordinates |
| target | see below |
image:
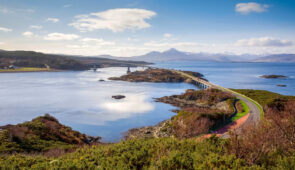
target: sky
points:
(134, 27)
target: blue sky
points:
(134, 27)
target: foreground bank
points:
(269, 145)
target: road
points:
(255, 109)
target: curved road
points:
(255, 109)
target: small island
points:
(273, 76)
(118, 97)
(157, 75)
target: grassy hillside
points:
(263, 97)
(40, 135)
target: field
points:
(25, 69)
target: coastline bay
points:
(79, 100)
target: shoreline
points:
(32, 71)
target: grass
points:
(238, 92)
(245, 110)
(26, 69)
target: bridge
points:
(255, 109)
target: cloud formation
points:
(96, 41)
(171, 45)
(246, 8)
(167, 35)
(264, 42)
(36, 26)
(28, 34)
(115, 20)
(60, 36)
(5, 29)
(15, 10)
(53, 20)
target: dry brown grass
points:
(274, 135)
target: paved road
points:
(254, 107)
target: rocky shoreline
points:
(195, 116)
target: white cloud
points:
(15, 10)
(171, 45)
(28, 34)
(167, 35)
(5, 11)
(60, 36)
(246, 8)
(36, 26)
(2, 43)
(5, 29)
(264, 42)
(97, 41)
(53, 20)
(114, 19)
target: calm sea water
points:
(80, 101)
(242, 75)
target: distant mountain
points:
(174, 55)
(287, 58)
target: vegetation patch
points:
(263, 97)
(26, 69)
(242, 110)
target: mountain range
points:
(174, 55)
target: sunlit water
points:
(80, 101)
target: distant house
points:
(12, 67)
(46, 66)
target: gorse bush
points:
(164, 153)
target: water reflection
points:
(132, 104)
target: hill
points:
(61, 62)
